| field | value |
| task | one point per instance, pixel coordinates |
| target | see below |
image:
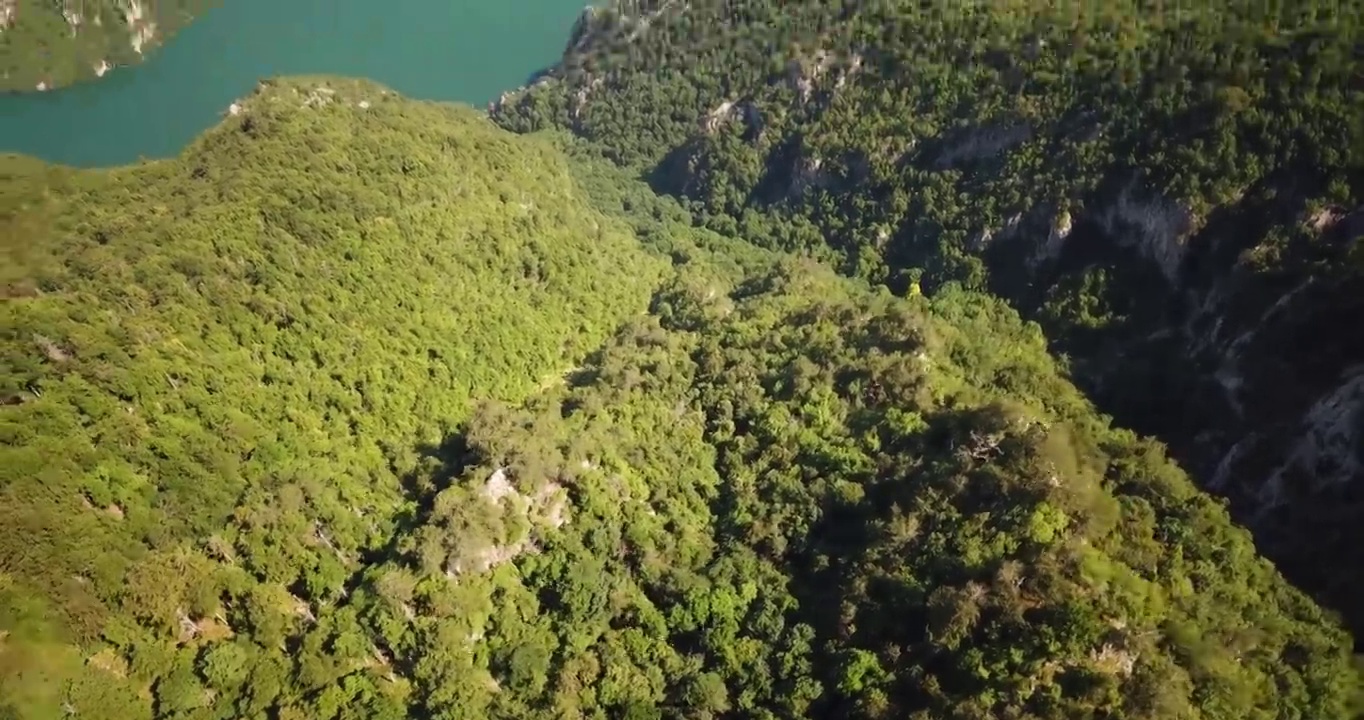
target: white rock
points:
(143, 29)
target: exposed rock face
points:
(1289, 448)
(807, 175)
(722, 114)
(141, 27)
(806, 74)
(625, 21)
(1253, 382)
(803, 74)
(509, 98)
(982, 143)
(1050, 249)
(1249, 378)
(1274, 408)
(1325, 452)
(581, 97)
(310, 93)
(547, 506)
(743, 115)
(1334, 219)
(1157, 226)
(592, 22)
(73, 18)
(318, 97)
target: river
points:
(464, 50)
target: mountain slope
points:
(1176, 194)
(364, 408)
(221, 372)
(46, 44)
(783, 495)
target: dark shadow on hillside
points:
(436, 465)
(838, 597)
(1221, 366)
(439, 463)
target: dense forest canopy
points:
(46, 44)
(367, 408)
(1175, 192)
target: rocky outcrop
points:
(808, 174)
(547, 507)
(1271, 414)
(624, 20)
(806, 73)
(728, 112)
(1157, 229)
(581, 97)
(981, 143)
(802, 74)
(73, 17)
(1327, 450)
(141, 25)
(1252, 377)
(310, 93)
(1156, 226)
(1056, 239)
(1334, 219)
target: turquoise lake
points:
(463, 50)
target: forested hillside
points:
(1175, 192)
(46, 44)
(365, 408)
(222, 375)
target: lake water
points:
(465, 50)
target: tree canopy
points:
(1174, 192)
(365, 407)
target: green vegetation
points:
(368, 408)
(1174, 192)
(220, 371)
(46, 44)
(787, 496)
(365, 408)
(954, 117)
